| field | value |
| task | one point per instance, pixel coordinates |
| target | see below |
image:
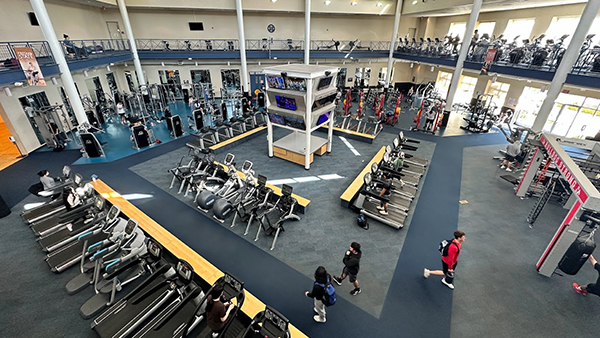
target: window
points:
(443, 83)
(457, 28)
(499, 91)
(529, 104)
(518, 27)
(560, 26)
(465, 90)
(486, 28)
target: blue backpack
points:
(330, 296)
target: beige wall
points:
(79, 22)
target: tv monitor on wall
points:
(324, 118)
(285, 102)
(278, 119)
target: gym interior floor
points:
(498, 292)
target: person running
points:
(512, 150)
(593, 288)
(351, 266)
(217, 311)
(318, 294)
(449, 262)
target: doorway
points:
(31, 103)
(257, 81)
(230, 80)
(114, 31)
(9, 153)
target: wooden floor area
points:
(9, 153)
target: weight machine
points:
(584, 202)
(481, 117)
(54, 125)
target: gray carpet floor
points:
(498, 290)
(326, 229)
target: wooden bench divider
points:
(358, 182)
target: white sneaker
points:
(426, 273)
(502, 167)
(508, 169)
(450, 285)
(319, 320)
(380, 208)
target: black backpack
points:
(362, 221)
(445, 245)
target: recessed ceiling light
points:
(273, 0)
(354, 3)
(379, 4)
(415, 2)
(327, 3)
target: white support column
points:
(242, 38)
(129, 32)
(308, 122)
(462, 56)
(330, 131)
(568, 60)
(388, 75)
(65, 73)
(307, 32)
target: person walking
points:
(593, 288)
(217, 311)
(449, 260)
(322, 278)
(351, 266)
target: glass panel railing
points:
(179, 45)
(94, 48)
(9, 60)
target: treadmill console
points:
(113, 213)
(154, 248)
(184, 270)
(99, 203)
(66, 171)
(286, 190)
(229, 159)
(78, 179)
(131, 226)
(262, 180)
(275, 318)
(396, 142)
(233, 282)
(374, 167)
(246, 166)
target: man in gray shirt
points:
(512, 150)
(46, 180)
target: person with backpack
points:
(351, 266)
(322, 293)
(450, 251)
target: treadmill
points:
(135, 309)
(72, 230)
(406, 177)
(268, 323)
(60, 220)
(69, 254)
(368, 201)
(410, 159)
(407, 191)
(51, 207)
(174, 318)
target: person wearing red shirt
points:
(449, 261)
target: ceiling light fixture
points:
(327, 3)
(354, 3)
(379, 4)
(273, 0)
(384, 9)
(415, 2)
(412, 64)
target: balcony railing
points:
(9, 58)
(179, 45)
(85, 49)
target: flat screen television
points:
(294, 123)
(323, 118)
(293, 83)
(278, 119)
(285, 102)
(275, 82)
(324, 82)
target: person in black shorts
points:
(351, 266)
(385, 191)
(593, 288)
